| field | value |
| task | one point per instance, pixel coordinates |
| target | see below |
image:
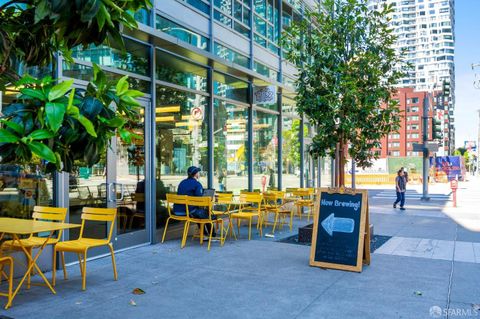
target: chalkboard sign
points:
(340, 227)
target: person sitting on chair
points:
(190, 186)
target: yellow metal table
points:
(16, 227)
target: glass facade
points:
(265, 150)
(230, 146)
(181, 88)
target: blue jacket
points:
(191, 187)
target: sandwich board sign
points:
(341, 232)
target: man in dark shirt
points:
(400, 185)
(192, 187)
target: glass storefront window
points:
(231, 55)
(23, 187)
(265, 150)
(181, 33)
(135, 57)
(85, 73)
(174, 70)
(265, 70)
(233, 14)
(230, 87)
(181, 141)
(290, 152)
(142, 16)
(230, 147)
(130, 181)
(200, 5)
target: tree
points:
(347, 71)
(50, 119)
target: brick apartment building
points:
(400, 144)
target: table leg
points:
(32, 263)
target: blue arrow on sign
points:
(338, 224)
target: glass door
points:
(128, 188)
(117, 181)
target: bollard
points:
(454, 186)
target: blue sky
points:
(467, 51)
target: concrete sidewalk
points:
(263, 278)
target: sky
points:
(467, 51)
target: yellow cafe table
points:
(16, 227)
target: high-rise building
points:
(425, 30)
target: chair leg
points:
(114, 265)
(54, 267)
(238, 226)
(84, 272)
(64, 267)
(291, 220)
(29, 262)
(275, 223)
(80, 263)
(185, 234)
(165, 230)
(209, 235)
(222, 239)
(201, 233)
(249, 228)
(10, 281)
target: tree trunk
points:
(340, 165)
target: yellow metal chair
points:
(250, 207)
(273, 203)
(179, 200)
(83, 244)
(45, 213)
(7, 261)
(205, 203)
(226, 199)
(305, 200)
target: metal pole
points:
(478, 145)
(426, 106)
(353, 173)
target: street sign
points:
(196, 113)
(341, 234)
(430, 146)
(417, 147)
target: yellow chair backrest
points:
(302, 192)
(224, 197)
(47, 213)
(254, 198)
(200, 201)
(176, 199)
(100, 215)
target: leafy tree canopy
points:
(32, 31)
(347, 71)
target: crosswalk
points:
(410, 194)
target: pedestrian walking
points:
(405, 174)
(400, 185)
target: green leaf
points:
(122, 85)
(101, 16)
(129, 100)
(87, 125)
(14, 126)
(26, 80)
(115, 122)
(55, 113)
(70, 99)
(134, 93)
(33, 93)
(8, 137)
(40, 135)
(42, 151)
(59, 90)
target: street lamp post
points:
(476, 84)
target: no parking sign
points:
(196, 113)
